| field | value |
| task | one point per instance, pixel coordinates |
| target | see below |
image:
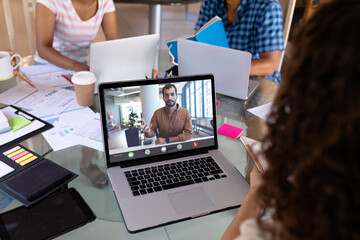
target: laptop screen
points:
(157, 119)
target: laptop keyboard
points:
(173, 175)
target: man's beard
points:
(170, 103)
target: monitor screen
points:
(153, 120)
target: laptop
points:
(162, 184)
(230, 67)
(127, 58)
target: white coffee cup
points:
(84, 84)
(6, 69)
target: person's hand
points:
(160, 140)
(13, 62)
(255, 179)
(144, 126)
(80, 67)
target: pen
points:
(170, 74)
(146, 76)
(156, 72)
(250, 151)
(166, 73)
(66, 78)
(26, 80)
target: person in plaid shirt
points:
(255, 26)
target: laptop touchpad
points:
(191, 200)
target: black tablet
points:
(49, 218)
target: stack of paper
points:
(4, 123)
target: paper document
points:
(10, 113)
(64, 125)
(262, 111)
(89, 134)
(16, 94)
(47, 76)
(52, 101)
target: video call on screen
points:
(125, 107)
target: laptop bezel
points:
(144, 82)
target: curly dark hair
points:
(312, 182)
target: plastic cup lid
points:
(83, 78)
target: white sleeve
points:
(250, 230)
(50, 4)
(107, 6)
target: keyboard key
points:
(136, 193)
(157, 189)
(198, 180)
(143, 191)
(216, 172)
(132, 179)
(134, 183)
(178, 184)
(150, 190)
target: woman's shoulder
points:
(53, 5)
(107, 5)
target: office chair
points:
(288, 7)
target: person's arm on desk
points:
(249, 208)
(45, 27)
(266, 64)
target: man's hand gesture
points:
(145, 127)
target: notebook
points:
(230, 67)
(162, 184)
(123, 59)
(212, 32)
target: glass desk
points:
(109, 223)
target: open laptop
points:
(127, 58)
(162, 184)
(230, 67)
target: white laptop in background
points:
(231, 67)
(123, 59)
(162, 184)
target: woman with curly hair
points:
(310, 189)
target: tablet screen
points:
(48, 218)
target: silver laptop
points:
(166, 183)
(127, 58)
(230, 67)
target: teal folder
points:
(213, 32)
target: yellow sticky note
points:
(18, 122)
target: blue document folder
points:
(213, 32)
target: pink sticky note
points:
(230, 131)
(217, 103)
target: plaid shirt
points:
(257, 29)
